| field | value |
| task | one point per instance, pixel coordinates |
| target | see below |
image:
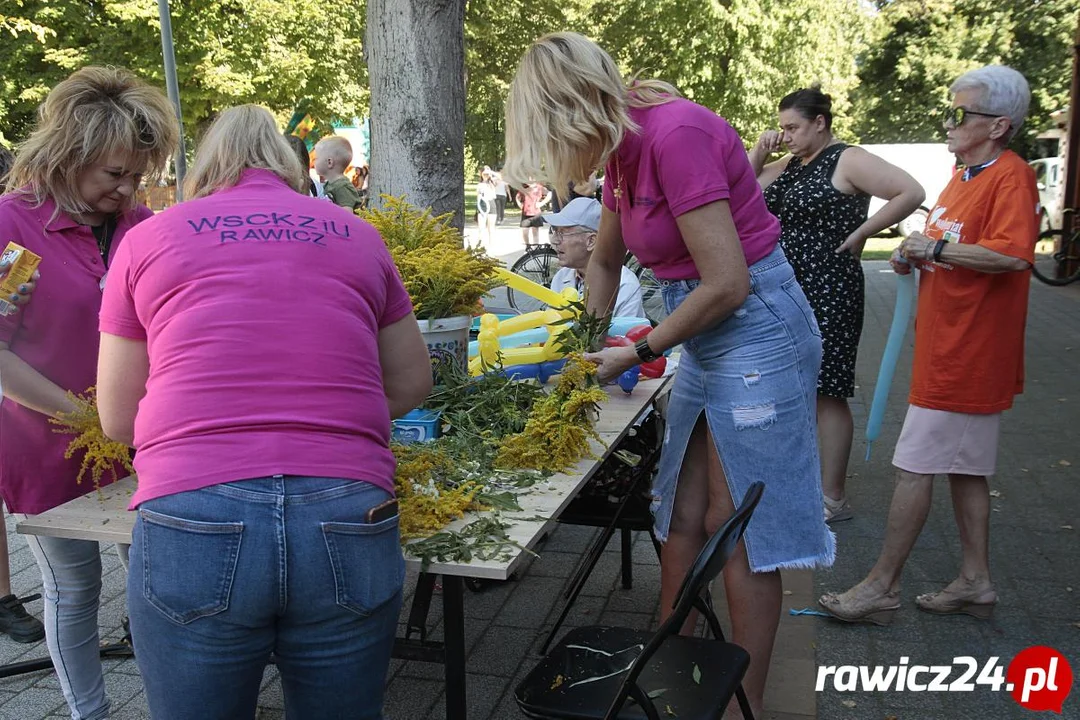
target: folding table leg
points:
(454, 630)
(627, 560)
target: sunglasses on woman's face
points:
(956, 116)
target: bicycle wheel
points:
(538, 264)
(1056, 252)
(651, 296)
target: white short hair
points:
(1004, 91)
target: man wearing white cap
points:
(573, 235)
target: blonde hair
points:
(336, 147)
(569, 109)
(95, 112)
(242, 138)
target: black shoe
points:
(18, 624)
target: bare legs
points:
(971, 507)
(907, 515)
(835, 432)
(702, 505)
(533, 232)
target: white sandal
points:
(837, 510)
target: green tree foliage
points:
(272, 52)
(921, 46)
(497, 34)
(739, 57)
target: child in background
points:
(332, 158)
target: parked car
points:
(930, 163)
(1050, 176)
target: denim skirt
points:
(754, 377)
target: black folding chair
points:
(594, 670)
(616, 500)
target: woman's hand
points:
(899, 265)
(854, 244)
(770, 142)
(24, 291)
(916, 248)
(612, 362)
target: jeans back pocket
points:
(188, 565)
(369, 568)
(798, 297)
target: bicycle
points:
(1061, 264)
(541, 262)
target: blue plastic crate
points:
(416, 426)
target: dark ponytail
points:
(810, 102)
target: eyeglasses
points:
(558, 236)
(955, 116)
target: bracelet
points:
(644, 351)
(938, 247)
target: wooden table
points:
(103, 516)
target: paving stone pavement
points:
(1035, 518)
(1035, 558)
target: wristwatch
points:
(938, 247)
(644, 352)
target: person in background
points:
(332, 157)
(299, 148)
(72, 201)
(485, 208)
(266, 522)
(360, 181)
(532, 197)
(973, 261)
(500, 197)
(573, 236)
(821, 192)
(681, 195)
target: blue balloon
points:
(905, 297)
(621, 325)
(549, 368)
(629, 379)
(523, 372)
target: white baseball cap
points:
(583, 211)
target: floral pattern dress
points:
(815, 219)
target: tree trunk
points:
(415, 52)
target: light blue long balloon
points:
(905, 297)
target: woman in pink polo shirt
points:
(256, 343)
(72, 201)
(680, 194)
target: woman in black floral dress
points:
(821, 192)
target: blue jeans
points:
(222, 577)
(754, 378)
(71, 580)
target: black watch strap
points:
(938, 247)
(644, 352)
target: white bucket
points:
(447, 337)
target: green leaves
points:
(920, 46)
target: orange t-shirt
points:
(969, 328)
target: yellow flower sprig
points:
(443, 278)
(101, 455)
(425, 504)
(560, 425)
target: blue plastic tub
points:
(416, 426)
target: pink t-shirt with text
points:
(261, 309)
(685, 156)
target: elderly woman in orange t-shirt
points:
(973, 257)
